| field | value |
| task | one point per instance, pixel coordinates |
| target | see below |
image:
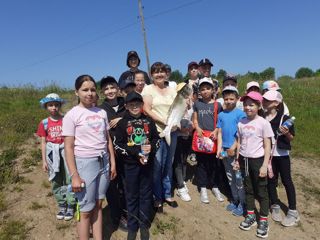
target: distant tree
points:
(317, 73)
(176, 76)
(253, 75)
(285, 78)
(268, 73)
(304, 72)
(221, 73)
(186, 77)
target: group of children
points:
(110, 151)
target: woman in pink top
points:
(89, 155)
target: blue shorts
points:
(95, 172)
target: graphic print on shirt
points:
(248, 131)
(55, 131)
(95, 122)
(136, 134)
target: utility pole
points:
(144, 35)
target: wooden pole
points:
(144, 35)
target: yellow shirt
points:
(160, 102)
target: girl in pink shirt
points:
(254, 145)
(89, 155)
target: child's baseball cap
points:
(273, 95)
(132, 54)
(256, 96)
(270, 85)
(206, 80)
(107, 80)
(51, 97)
(133, 96)
(192, 64)
(230, 89)
(252, 84)
(205, 61)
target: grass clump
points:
(161, 226)
(13, 230)
(3, 203)
(7, 172)
(36, 206)
(45, 184)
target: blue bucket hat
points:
(51, 97)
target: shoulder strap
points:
(215, 110)
(45, 124)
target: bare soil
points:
(33, 203)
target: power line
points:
(106, 35)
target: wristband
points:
(75, 172)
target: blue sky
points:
(56, 41)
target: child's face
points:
(134, 108)
(139, 81)
(193, 72)
(206, 91)
(205, 70)
(251, 108)
(230, 100)
(253, 89)
(133, 62)
(87, 94)
(269, 105)
(53, 108)
(110, 91)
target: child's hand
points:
(263, 171)
(214, 134)
(199, 131)
(141, 159)
(219, 153)
(76, 183)
(113, 123)
(231, 152)
(45, 166)
(283, 130)
(113, 172)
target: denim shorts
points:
(95, 172)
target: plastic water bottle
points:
(239, 179)
(142, 152)
(224, 154)
(287, 124)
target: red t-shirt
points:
(54, 131)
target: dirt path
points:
(31, 201)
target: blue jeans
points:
(162, 169)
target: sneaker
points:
(218, 194)
(69, 213)
(62, 211)
(204, 195)
(238, 211)
(291, 219)
(231, 206)
(262, 230)
(183, 194)
(275, 213)
(248, 222)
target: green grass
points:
(36, 206)
(160, 226)
(13, 230)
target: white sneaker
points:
(204, 195)
(183, 194)
(216, 192)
